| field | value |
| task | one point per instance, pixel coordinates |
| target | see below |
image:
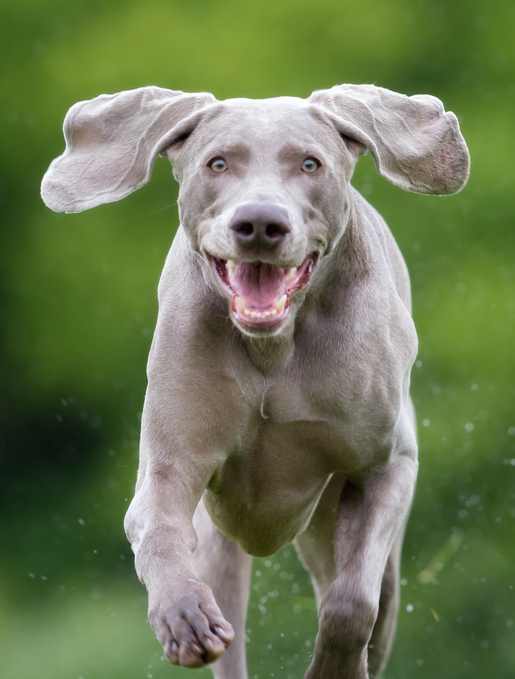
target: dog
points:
(278, 406)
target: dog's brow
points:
(238, 149)
(292, 151)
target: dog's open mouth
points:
(261, 292)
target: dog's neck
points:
(270, 354)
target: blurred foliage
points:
(78, 303)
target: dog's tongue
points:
(259, 284)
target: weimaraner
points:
(278, 404)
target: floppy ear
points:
(111, 144)
(416, 144)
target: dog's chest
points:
(335, 419)
(287, 442)
(286, 434)
(268, 486)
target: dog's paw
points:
(191, 629)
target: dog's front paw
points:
(190, 626)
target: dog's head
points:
(264, 184)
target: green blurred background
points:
(78, 303)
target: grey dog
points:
(278, 405)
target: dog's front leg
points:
(172, 477)
(370, 516)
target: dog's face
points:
(263, 197)
(264, 184)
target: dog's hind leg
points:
(381, 643)
(315, 546)
(226, 568)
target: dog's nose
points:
(260, 225)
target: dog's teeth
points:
(291, 273)
(230, 267)
(239, 305)
(276, 310)
(280, 304)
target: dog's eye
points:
(217, 164)
(310, 165)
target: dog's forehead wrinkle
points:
(280, 132)
(262, 111)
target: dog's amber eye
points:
(310, 165)
(217, 164)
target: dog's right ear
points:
(112, 142)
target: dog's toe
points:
(193, 631)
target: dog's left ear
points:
(112, 141)
(416, 144)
